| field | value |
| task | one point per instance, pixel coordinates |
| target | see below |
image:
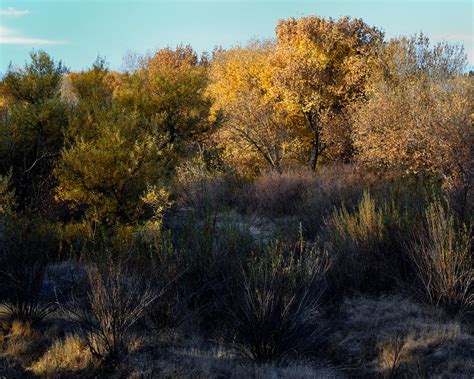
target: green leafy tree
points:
(107, 174)
(168, 93)
(32, 128)
(128, 132)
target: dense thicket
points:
(323, 90)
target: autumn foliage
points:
(246, 198)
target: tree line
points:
(106, 145)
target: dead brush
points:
(116, 300)
(273, 310)
(391, 356)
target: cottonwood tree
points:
(321, 66)
(418, 117)
(254, 133)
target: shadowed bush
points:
(26, 248)
(368, 246)
(279, 194)
(305, 196)
(273, 309)
(116, 300)
(210, 247)
(201, 189)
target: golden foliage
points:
(419, 115)
(255, 132)
(321, 66)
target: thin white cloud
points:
(10, 11)
(29, 41)
(12, 37)
(4, 31)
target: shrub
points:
(200, 189)
(333, 186)
(75, 238)
(305, 196)
(117, 300)
(211, 246)
(7, 197)
(278, 194)
(367, 246)
(444, 263)
(25, 250)
(164, 267)
(273, 309)
(147, 249)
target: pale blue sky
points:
(76, 31)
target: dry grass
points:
(195, 362)
(16, 338)
(69, 355)
(20, 345)
(394, 337)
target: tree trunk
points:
(314, 127)
(314, 156)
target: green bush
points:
(368, 246)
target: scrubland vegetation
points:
(300, 207)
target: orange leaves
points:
(180, 58)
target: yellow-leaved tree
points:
(320, 67)
(254, 134)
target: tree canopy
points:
(93, 143)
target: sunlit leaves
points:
(418, 116)
(321, 66)
(255, 134)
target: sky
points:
(77, 31)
